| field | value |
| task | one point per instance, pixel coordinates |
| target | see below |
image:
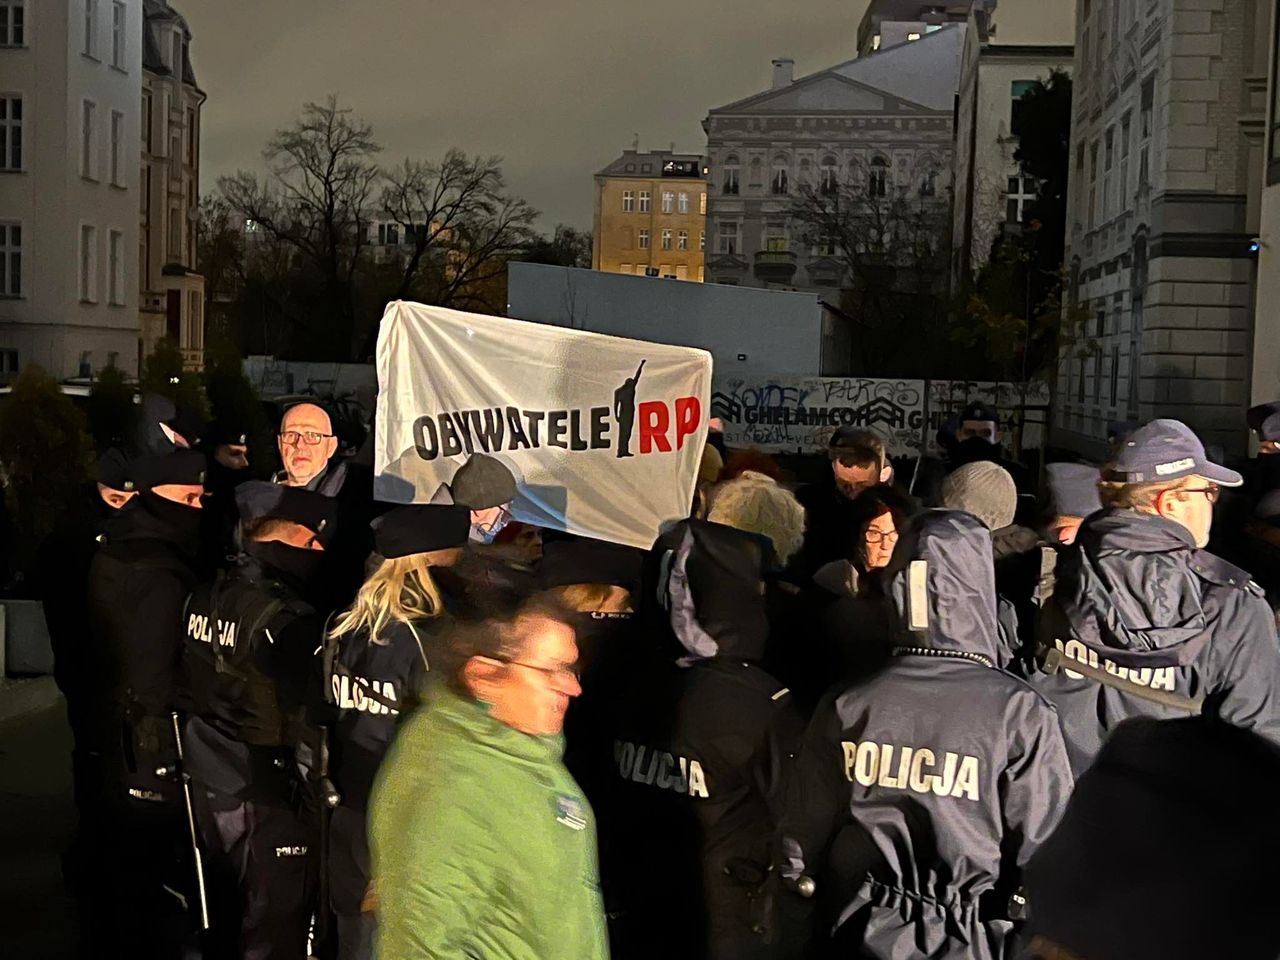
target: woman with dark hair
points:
(483, 845)
(876, 517)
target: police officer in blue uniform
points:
(378, 656)
(139, 579)
(918, 795)
(1143, 620)
(253, 692)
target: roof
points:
(156, 12)
(921, 75)
(655, 158)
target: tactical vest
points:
(226, 641)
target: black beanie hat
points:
(420, 528)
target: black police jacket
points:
(252, 678)
(695, 749)
(1135, 598)
(374, 685)
(918, 794)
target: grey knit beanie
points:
(984, 489)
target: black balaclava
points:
(975, 450)
(165, 519)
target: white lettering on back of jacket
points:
(652, 767)
(349, 694)
(1157, 678)
(918, 769)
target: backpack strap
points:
(1052, 660)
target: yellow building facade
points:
(651, 215)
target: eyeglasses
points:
(879, 536)
(560, 674)
(311, 438)
(1211, 492)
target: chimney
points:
(783, 72)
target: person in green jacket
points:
(483, 845)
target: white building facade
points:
(70, 88)
(1265, 384)
(990, 190)
(1167, 151)
(172, 299)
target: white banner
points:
(603, 434)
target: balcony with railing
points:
(775, 266)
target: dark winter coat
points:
(698, 748)
(918, 795)
(1136, 598)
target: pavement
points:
(37, 820)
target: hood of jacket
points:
(1127, 587)
(711, 584)
(941, 585)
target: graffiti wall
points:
(781, 414)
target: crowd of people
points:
(858, 718)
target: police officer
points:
(1143, 620)
(696, 748)
(226, 443)
(919, 794)
(138, 582)
(253, 688)
(378, 655)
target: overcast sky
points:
(557, 87)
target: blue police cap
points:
(1264, 420)
(259, 500)
(1165, 450)
(1073, 489)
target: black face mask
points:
(297, 566)
(977, 449)
(173, 521)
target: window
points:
(1148, 103)
(929, 185)
(778, 185)
(175, 55)
(682, 240)
(87, 109)
(1109, 153)
(191, 138)
(631, 168)
(1273, 172)
(730, 184)
(90, 18)
(117, 34)
(702, 240)
(1017, 110)
(727, 242)
(1018, 198)
(682, 204)
(1097, 377)
(829, 182)
(702, 204)
(666, 238)
(1080, 381)
(644, 239)
(826, 246)
(146, 121)
(115, 254)
(195, 322)
(13, 23)
(668, 201)
(644, 201)
(1100, 322)
(775, 236)
(1078, 180)
(175, 235)
(646, 167)
(117, 131)
(1093, 183)
(10, 259)
(1123, 190)
(389, 234)
(10, 133)
(878, 178)
(88, 256)
(628, 201)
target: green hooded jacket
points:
(483, 846)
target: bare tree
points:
(314, 200)
(893, 240)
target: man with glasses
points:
(1143, 620)
(307, 445)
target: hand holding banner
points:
(604, 435)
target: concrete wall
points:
(778, 332)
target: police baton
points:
(177, 773)
(328, 798)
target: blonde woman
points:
(378, 655)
